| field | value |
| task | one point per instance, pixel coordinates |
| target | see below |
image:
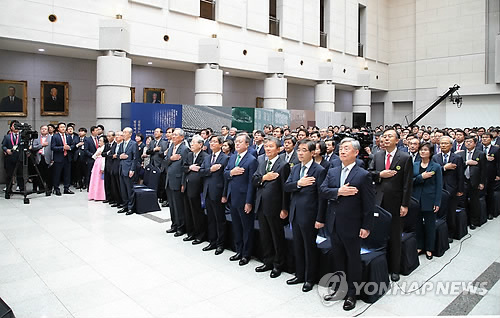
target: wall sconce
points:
(280, 50)
(366, 66)
(118, 16)
(328, 60)
(214, 36)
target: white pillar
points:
(208, 85)
(114, 76)
(362, 101)
(324, 97)
(275, 91)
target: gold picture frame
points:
(259, 102)
(54, 98)
(15, 105)
(149, 92)
(132, 94)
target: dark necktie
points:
(213, 159)
(268, 168)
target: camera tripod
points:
(25, 160)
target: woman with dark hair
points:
(427, 189)
(139, 139)
(319, 155)
(228, 147)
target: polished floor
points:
(67, 257)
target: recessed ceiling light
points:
(41, 50)
(227, 73)
(149, 63)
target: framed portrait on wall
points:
(13, 98)
(154, 95)
(132, 94)
(259, 102)
(54, 98)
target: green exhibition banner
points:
(243, 118)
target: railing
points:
(360, 50)
(207, 9)
(323, 39)
(274, 26)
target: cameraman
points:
(10, 146)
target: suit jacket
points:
(428, 191)
(213, 182)
(107, 153)
(453, 180)
(47, 152)
(239, 188)
(348, 214)
(90, 148)
(306, 207)
(477, 172)
(294, 160)
(53, 105)
(261, 150)
(270, 194)
(338, 163)
(57, 147)
(15, 106)
(333, 158)
(325, 164)
(115, 162)
(398, 187)
(454, 147)
(174, 168)
(207, 145)
(157, 157)
(191, 180)
(493, 167)
(129, 164)
(417, 157)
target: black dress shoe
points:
(179, 233)
(394, 277)
(188, 238)
(124, 210)
(115, 205)
(197, 241)
(308, 286)
(349, 303)
(105, 201)
(275, 273)
(68, 192)
(490, 217)
(263, 268)
(160, 200)
(472, 227)
(164, 204)
(209, 247)
(235, 257)
(219, 250)
(172, 230)
(58, 192)
(294, 281)
(450, 240)
(244, 261)
(129, 212)
(429, 257)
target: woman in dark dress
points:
(319, 155)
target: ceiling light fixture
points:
(41, 50)
(150, 63)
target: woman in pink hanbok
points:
(96, 187)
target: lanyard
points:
(12, 139)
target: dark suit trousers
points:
(472, 205)
(127, 191)
(426, 231)
(62, 169)
(451, 215)
(81, 173)
(490, 196)
(115, 189)
(397, 223)
(162, 193)
(306, 252)
(10, 165)
(272, 239)
(216, 222)
(43, 168)
(107, 185)
(195, 218)
(243, 227)
(176, 204)
(346, 258)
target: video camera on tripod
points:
(25, 161)
(365, 139)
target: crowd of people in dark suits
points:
(307, 179)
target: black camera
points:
(365, 139)
(26, 132)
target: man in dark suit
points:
(115, 172)
(307, 213)
(192, 185)
(351, 195)
(212, 171)
(475, 179)
(173, 182)
(458, 144)
(330, 151)
(128, 164)
(290, 153)
(453, 179)
(80, 159)
(10, 144)
(493, 171)
(157, 149)
(11, 103)
(413, 145)
(53, 102)
(107, 153)
(240, 195)
(258, 146)
(224, 132)
(43, 159)
(61, 144)
(272, 205)
(393, 175)
(154, 99)
(90, 147)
